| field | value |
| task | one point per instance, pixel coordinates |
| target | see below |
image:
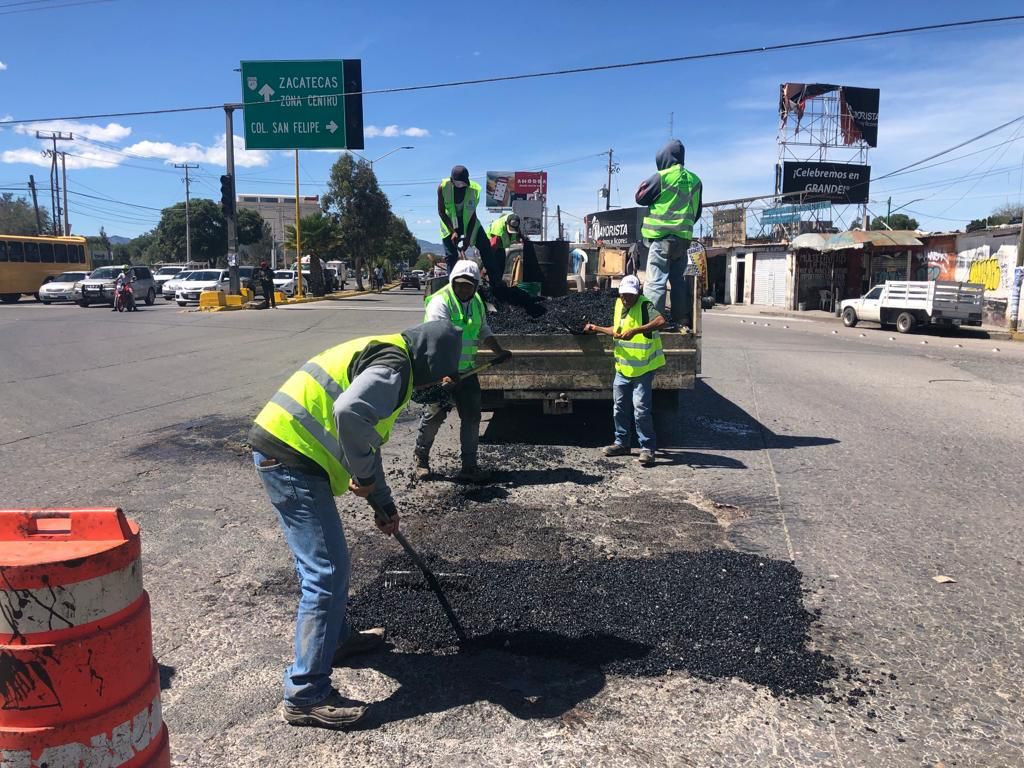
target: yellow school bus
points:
(26, 262)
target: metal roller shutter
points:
(770, 279)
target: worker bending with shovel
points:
(459, 303)
(317, 438)
(638, 354)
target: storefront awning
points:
(858, 238)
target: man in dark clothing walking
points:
(673, 196)
(265, 275)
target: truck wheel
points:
(83, 303)
(849, 317)
(905, 322)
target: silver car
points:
(61, 288)
(98, 288)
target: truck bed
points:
(558, 369)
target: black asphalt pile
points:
(431, 395)
(566, 314)
(714, 614)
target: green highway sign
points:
(303, 104)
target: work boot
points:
(335, 712)
(421, 465)
(616, 449)
(473, 475)
(358, 642)
(646, 458)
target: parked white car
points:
(171, 286)
(284, 281)
(61, 288)
(191, 287)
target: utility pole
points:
(1018, 281)
(64, 181)
(608, 189)
(558, 211)
(59, 223)
(188, 224)
(229, 141)
(35, 203)
(888, 214)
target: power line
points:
(577, 70)
(49, 7)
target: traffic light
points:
(227, 194)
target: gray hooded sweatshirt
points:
(378, 379)
(673, 153)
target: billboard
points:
(617, 227)
(730, 226)
(531, 216)
(858, 108)
(787, 214)
(505, 187)
(841, 183)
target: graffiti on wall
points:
(991, 268)
(941, 265)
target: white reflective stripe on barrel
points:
(49, 609)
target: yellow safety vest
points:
(499, 230)
(640, 354)
(301, 414)
(457, 213)
(675, 209)
(470, 324)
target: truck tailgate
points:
(583, 364)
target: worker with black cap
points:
(506, 231)
(460, 304)
(457, 198)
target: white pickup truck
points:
(909, 304)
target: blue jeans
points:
(633, 402)
(666, 262)
(312, 528)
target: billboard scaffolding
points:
(825, 134)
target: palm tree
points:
(319, 236)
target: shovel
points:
(383, 516)
(439, 392)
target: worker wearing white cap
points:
(638, 355)
(460, 304)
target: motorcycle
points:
(124, 297)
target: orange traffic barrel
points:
(78, 682)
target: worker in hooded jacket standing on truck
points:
(673, 197)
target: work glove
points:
(504, 356)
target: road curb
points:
(991, 334)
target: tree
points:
(895, 221)
(360, 210)
(399, 246)
(105, 243)
(209, 231)
(319, 237)
(427, 261)
(17, 216)
(1009, 213)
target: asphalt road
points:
(874, 462)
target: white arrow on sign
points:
(266, 92)
(332, 127)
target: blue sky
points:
(937, 89)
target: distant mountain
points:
(118, 240)
(428, 247)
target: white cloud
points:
(92, 131)
(447, 133)
(391, 131)
(215, 154)
(2, 66)
(77, 159)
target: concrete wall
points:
(988, 257)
